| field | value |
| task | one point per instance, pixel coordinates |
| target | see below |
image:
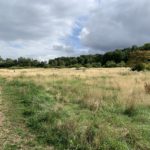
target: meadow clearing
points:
(74, 109)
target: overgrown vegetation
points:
(117, 58)
(89, 111)
(138, 67)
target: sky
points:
(46, 29)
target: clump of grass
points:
(147, 88)
(138, 67)
(130, 109)
(11, 147)
(91, 99)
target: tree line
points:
(116, 58)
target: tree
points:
(146, 46)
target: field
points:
(74, 109)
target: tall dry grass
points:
(93, 108)
(96, 85)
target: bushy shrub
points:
(147, 66)
(121, 64)
(110, 64)
(88, 65)
(138, 67)
(96, 65)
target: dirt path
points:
(1, 114)
(1, 119)
(4, 132)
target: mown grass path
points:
(2, 130)
(9, 139)
(14, 135)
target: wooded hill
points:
(118, 58)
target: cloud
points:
(35, 26)
(52, 28)
(117, 24)
(36, 19)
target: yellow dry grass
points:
(130, 85)
(63, 72)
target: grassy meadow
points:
(74, 109)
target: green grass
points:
(67, 122)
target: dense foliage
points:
(117, 58)
(138, 67)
